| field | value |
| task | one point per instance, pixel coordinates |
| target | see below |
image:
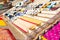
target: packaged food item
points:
(2, 23)
(51, 5)
(31, 20)
(24, 26)
(46, 5)
(42, 19)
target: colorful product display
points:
(54, 33)
(23, 25)
(42, 19)
(32, 19)
(49, 5)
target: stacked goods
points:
(42, 19)
(52, 11)
(49, 14)
(31, 20)
(24, 26)
(46, 5)
(49, 5)
(6, 35)
(30, 25)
